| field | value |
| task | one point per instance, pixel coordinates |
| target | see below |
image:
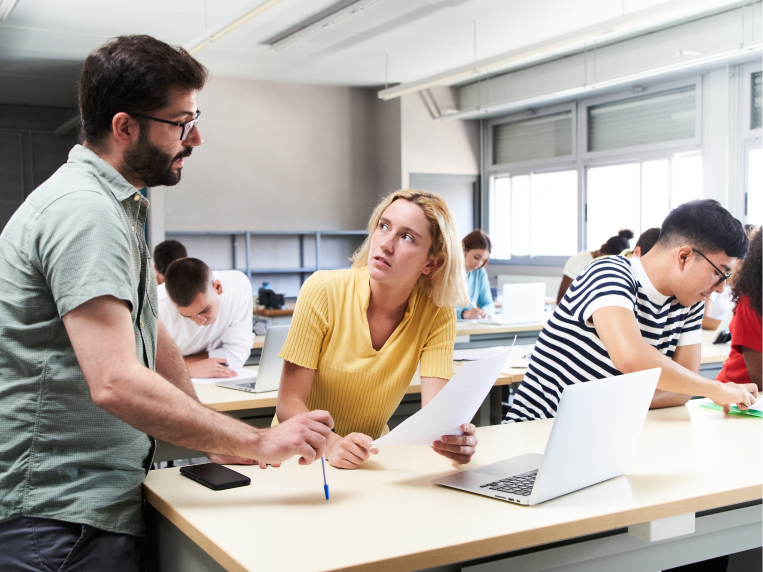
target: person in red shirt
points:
(744, 362)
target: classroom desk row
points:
(693, 467)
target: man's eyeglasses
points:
(186, 128)
(724, 275)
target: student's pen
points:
(325, 484)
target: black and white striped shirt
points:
(568, 350)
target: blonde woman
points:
(358, 334)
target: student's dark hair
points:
(478, 239)
(617, 244)
(704, 225)
(132, 74)
(185, 279)
(748, 281)
(647, 240)
(167, 252)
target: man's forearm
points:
(164, 411)
(668, 399)
(674, 377)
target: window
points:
(666, 116)
(534, 214)
(532, 139)
(638, 195)
(756, 101)
(755, 187)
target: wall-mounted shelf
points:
(302, 270)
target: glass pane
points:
(520, 215)
(554, 219)
(665, 116)
(614, 202)
(531, 139)
(756, 113)
(500, 217)
(655, 193)
(755, 187)
(686, 179)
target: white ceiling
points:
(43, 42)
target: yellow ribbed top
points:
(359, 386)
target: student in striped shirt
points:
(625, 315)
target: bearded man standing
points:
(87, 370)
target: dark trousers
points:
(46, 545)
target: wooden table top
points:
(688, 459)
(713, 353)
(223, 399)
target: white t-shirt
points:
(721, 304)
(230, 336)
(576, 264)
(568, 349)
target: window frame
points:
(747, 71)
(688, 143)
(749, 138)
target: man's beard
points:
(152, 166)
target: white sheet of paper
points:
(243, 374)
(455, 405)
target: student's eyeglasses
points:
(186, 128)
(724, 275)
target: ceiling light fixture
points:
(6, 7)
(199, 43)
(618, 28)
(353, 9)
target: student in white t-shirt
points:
(626, 315)
(576, 264)
(209, 315)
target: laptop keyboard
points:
(519, 485)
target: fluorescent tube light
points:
(615, 29)
(197, 44)
(6, 7)
(353, 9)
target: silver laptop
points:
(523, 303)
(269, 374)
(593, 438)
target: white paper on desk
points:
(519, 357)
(455, 405)
(243, 374)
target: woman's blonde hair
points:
(446, 284)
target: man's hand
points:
(459, 448)
(740, 394)
(210, 367)
(305, 435)
(351, 452)
(473, 314)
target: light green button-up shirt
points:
(78, 236)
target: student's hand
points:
(210, 367)
(740, 394)
(459, 448)
(233, 460)
(351, 451)
(474, 314)
(305, 435)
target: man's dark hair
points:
(134, 74)
(185, 279)
(167, 252)
(706, 226)
(647, 240)
(748, 281)
(616, 244)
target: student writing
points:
(477, 248)
(358, 334)
(622, 316)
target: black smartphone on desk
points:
(215, 477)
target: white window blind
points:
(756, 101)
(532, 139)
(655, 118)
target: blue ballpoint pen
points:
(325, 484)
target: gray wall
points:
(29, 151)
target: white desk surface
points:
(713, 353)
(478, 327)
(688, 459)
(223, 399)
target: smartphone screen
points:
(214, 476)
